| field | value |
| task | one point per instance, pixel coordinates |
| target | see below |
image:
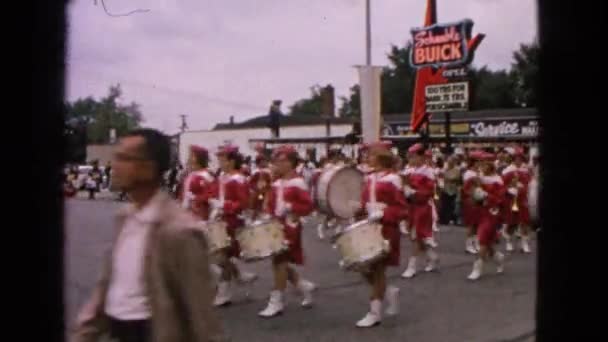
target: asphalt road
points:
(440, 306)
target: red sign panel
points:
(441, 45)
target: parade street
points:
(442, 307)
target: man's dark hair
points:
(157, 148)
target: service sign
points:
(441, 45)
(449, 97)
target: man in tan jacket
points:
(155, 285)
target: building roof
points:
(285, 121)
(485, 114)
(262, 121)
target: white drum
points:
(339, 190)
(361, 244)
(262, 239)
(217, 236)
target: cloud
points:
(211, 59)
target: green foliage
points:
(490, 89)
(100, 116)
(308, 106)
(524, 71)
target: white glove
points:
(375, 215)
(512, 191)
(408, 191)
(479, 194)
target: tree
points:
(524, 71)
(491, 89)
(99, 117)
(351, 105)
(308, 106)
(397, 82)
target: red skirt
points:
(517, 217)
(470, 213)
(295, 252)
(392, 234)
(422, 221)
(487, 229)
(233, 223)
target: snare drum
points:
(339, 191)
(261, 240)
(361, 244)
(217, 236)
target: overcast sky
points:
(211, 59)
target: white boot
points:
(525, 244)
(470, 246)
(223, 296)
(392, 300)
(433, 263)
(499, 259)
(321, 231)
(410, 271)
(509, 243)
(373, 317)
(477, 270)
(306, 288)
(275, 305)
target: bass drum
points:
(339, 191)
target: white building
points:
(240, 134)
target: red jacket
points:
(199, 187)
(233, 190)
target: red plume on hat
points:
(487, 156)
(199, 150)
(283, 151)
(428, 153)
(518, 151)
(227, 149)
(416, 148)
(259, 147)
(476, 155)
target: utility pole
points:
(368, 33)
(184, 125)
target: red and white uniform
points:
(289, 201)
(233, 192)
(259, 185)
(490, 211)
(421, 179)
(198, 187)
(470, 210)
(384, 189)
(523, 176)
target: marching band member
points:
(259, 184)
(419, 192)
(233, 198)
(490, 193)
(383, 201)
(470, 209)
(516, 178)
(289, 201)
(199, 186)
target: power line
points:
(103, 4)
